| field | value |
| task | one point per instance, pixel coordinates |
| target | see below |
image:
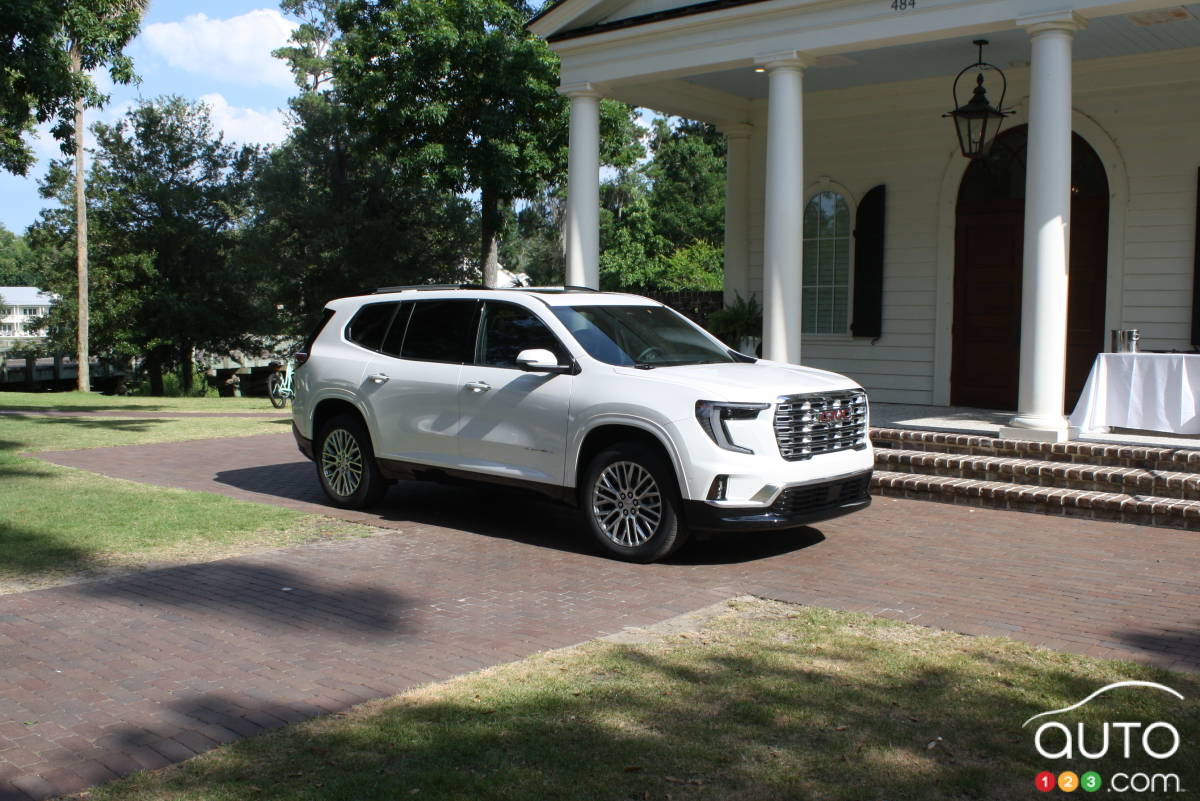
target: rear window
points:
(442, 331)
(370, 324)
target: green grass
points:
(95, 402)
(58, 523)
(768, 701)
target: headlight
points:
(713, 414)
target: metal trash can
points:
(1125, 340)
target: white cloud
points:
(237, 49)
(245, 125)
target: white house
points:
(841, 165)
(19, 307)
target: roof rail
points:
(575, 288)
(426, 287)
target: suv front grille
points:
(821, 422)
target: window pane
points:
(511, 329)
(395, 335)
(827, 231)
(442, 331)
(368, 326)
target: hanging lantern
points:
(977, 121)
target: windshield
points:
(640, 336)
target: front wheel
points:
(631, 502)
(346, 464)
(275, 391)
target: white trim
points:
(1118, 206)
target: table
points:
(1147, 391)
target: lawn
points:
(94, 402)
(58, 523)
(765, 701)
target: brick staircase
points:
(1131, 484)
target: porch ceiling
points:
(1118, 35)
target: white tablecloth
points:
(1151, 391)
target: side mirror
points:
(540, 360)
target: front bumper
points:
(302, 442)
(796, 506)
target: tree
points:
(167, 195)
(687, 175)
(47, 49)
(458, 91)
(40, 41)
(333, 217)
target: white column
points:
(737, 211)
(582, 225)
(1047, 234)
(783, 239)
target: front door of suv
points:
(412, 387)
(513, 423)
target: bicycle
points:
(279, 388)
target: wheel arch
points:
(329, 408)
(607, 433)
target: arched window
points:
(826, 303)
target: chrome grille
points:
(821, 422)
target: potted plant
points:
(739, 323)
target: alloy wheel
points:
(342, 462)
(627, 504)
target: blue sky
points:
(218, 51)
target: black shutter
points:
(868, 265)
(1196, 273)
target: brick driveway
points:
(105, 678)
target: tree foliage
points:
(166, 195)
(16, 260)
(456, 91)
(38, 83)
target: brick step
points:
(1041, 473)
(1146, 510)
(1180, 460)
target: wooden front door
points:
(985, 362)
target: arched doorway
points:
(989, 239)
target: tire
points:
(346, 464)
(275, 391)
(631, 501)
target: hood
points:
(762, 381)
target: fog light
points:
(717, 491)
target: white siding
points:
(1149, 107)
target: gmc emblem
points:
(833, 415)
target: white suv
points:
(612, 402)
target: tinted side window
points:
(369, 325)
(510, 329)
(395, 334)
(442, 331)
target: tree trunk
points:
(154, 367)
(83, 380)
(187, 367)
(489, 218)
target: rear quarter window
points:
(370, 324)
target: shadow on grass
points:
(505, 513)
(30, 553)
(265, 599)
(856, 720)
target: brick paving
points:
(101, 679)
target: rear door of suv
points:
(412, 386)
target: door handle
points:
(379, 378)
(478, 386)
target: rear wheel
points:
(346, 464)
(275, 391)
(631, 502)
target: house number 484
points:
(903, 5)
